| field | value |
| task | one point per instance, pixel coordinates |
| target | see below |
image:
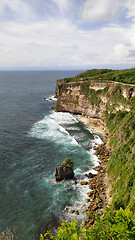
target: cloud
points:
(131, 53)
(15, 10)
(62, 4)
(31, 10)
(54, 43)
(129, 7)
(98, 10)
(44, 34)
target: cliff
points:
(92, 99)
(113, 103)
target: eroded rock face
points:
(64, 172)
(70, 98)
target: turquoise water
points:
(33, 141)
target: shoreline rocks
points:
(97, 196)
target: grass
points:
(123, 76)
(91, 94)
(121, 166)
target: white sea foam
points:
(74, 142)
(50, 128)
(73, 128)
(80, 204)
(51, 98)
(97, 140)
(62, 129)
(63, 118)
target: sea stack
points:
(65, 170)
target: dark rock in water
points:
(91, 175)
(64, 172)
(76, 212)
(72, 211)
(84, 183)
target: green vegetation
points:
(123, 76)
(117, 224)
(116, 95)
(58, 106)
(68, 161)
(91, 94)
(121, 166)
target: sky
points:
(67, 34)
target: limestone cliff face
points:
(92, 99)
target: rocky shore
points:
(99, 184)
(97, 197)
(97, 126)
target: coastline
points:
(99, 184)
(107, 112)
(96, 126)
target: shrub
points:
(68, 161)
(117, 224)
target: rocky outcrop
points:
(69, 99)
(64, 172)
(92, 99)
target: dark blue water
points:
(33, 141)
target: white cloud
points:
(129, 6)
(97, 10)
(58, 42)
(62, 4)
(15, 9)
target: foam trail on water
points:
(62, 129)
(50, 128)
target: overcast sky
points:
(67, 34)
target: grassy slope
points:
(124, 76)
(121, 166)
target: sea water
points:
(34, 140)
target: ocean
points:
(34, 140)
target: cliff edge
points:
(113, 103)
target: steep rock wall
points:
(92, 99)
